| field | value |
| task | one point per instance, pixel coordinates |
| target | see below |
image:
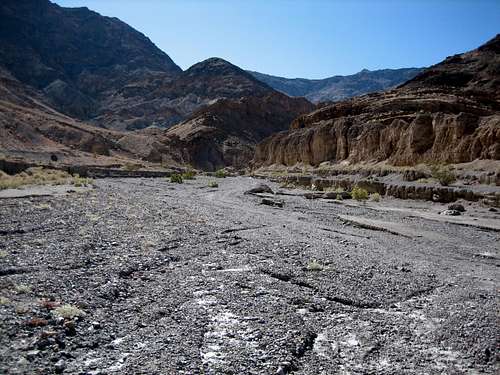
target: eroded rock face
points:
(449, 113)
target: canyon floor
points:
(186, 279)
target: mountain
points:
(80, 87)
(339, 87)
(449, 113)
(166, 102)
(77, 57)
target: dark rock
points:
(262, 188)
(456, 207)
(272, 202)
(60, 366)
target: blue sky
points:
(308, 38)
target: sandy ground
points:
(186, 279)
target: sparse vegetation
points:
(68, 311)
(82, 181)
(213, 184)
(176, 178)
(375, 197)
(314, 265)
(443, 174)
(359, 194)
(41, 176)
(221, 173)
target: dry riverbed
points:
(141, 276)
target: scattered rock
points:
(451, 213)
(60, 366)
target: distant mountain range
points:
(339, 87)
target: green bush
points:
(359, 194)
(443, 174)
(375, 197)
(213, 184)
(189, 175)
(221, 173)
(176, 178)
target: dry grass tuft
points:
(41, 176)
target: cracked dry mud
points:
(186, 279)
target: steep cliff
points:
(449, 113)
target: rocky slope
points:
(449, 113)
(30, 126)
(225, 133)
(339, 87)
(222, 134)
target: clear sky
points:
(308, 38)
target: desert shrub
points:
(375, 197)
(82, 181)
(315, 187)
(68, 312)
(443, 174)
(22, 289)
(4, 300)
(314, 265)
(213, 184)
(189, 175)
(359, 194)
(176, 178)
(221, 173)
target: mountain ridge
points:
(339, 87)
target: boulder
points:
(456, 207)
(272, 202)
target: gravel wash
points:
(142, 276)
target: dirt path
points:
(186, 279)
